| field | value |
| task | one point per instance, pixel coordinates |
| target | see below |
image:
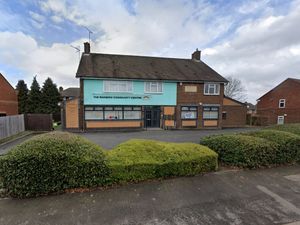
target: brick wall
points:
(197, 99)
(268, 105)
(235, 116)
(8, 98)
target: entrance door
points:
(280, 120)
(152, 116)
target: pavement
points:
(5, 147)
(265, 196)
(108, 140)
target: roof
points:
(71, 92)
(288, 79)
(145, 68)
(250, 106)
(234, 100)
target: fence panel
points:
(38, 122)
(10, 125)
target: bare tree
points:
(235, 89)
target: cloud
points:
(22, 51)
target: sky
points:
(257, 42)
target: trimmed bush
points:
(288, 144)
(241, 150)
(291, 128)
(51, 163)
(137, 160)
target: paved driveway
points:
(270, 196)
(110, 139)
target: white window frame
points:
(280, 118)
(109, 82)
(281, 101)
(154, 92)
(214, 85)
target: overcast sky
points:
(255, 41)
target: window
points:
(117, 86)
(113, 113)
(224, 115)
(211, 89)
(93, 113)
(189, 112)
(282, 103)
(153, 87)
(280, 120)
(210, 112)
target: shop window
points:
(113, 113)
(211, 89)
(153, 87)
(210, 112)
(189, 112)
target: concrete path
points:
(108, 140)
(269, 196)
(5, 147)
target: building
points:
(251, 109)
(234, 113)
(8, 98)
(125, 91)
(281, 104)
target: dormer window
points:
(281, 103)
(211, 89)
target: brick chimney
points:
(87, 48)
(196, 56)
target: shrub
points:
(137, 160)
(242, 151)
(52, 162)
(288, 144)
(292, 128)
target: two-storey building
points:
(8, 98)
(125, 91)
(281, 104)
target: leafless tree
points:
(235, 89)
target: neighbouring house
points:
(281, 104)
(251, 109)
(126, 91)
(8, 98)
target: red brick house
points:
(8, 98)
(281, 104)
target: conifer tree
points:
(34, 98)
(22, 96)
(50, 97)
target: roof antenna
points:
(77, 50)
(90, 32)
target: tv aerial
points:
(90, 32)
(77, 48)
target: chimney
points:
(196, 56)
(87, 48)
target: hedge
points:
(288, 149)
(291, 128)
(137, 160)
(51, 163)
(241, 150)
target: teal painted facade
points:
(94, 94)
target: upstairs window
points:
(211, 89)
(282, 103)
(153, 87)
(117, 86)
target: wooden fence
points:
(38, 122)
(10, 125)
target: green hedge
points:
(291, 128)
(241, 150)
(137, 160)
(52, 162)
(288, 149)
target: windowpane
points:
(89, 108)
(98, 108)
(184, 108)
(153, 87)
(117, 86)
(128, 108)
(211, 89)
(188, 115)
(137, 108)
(94, 115)
(132, 115)
(113, 115)
(108, 108)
